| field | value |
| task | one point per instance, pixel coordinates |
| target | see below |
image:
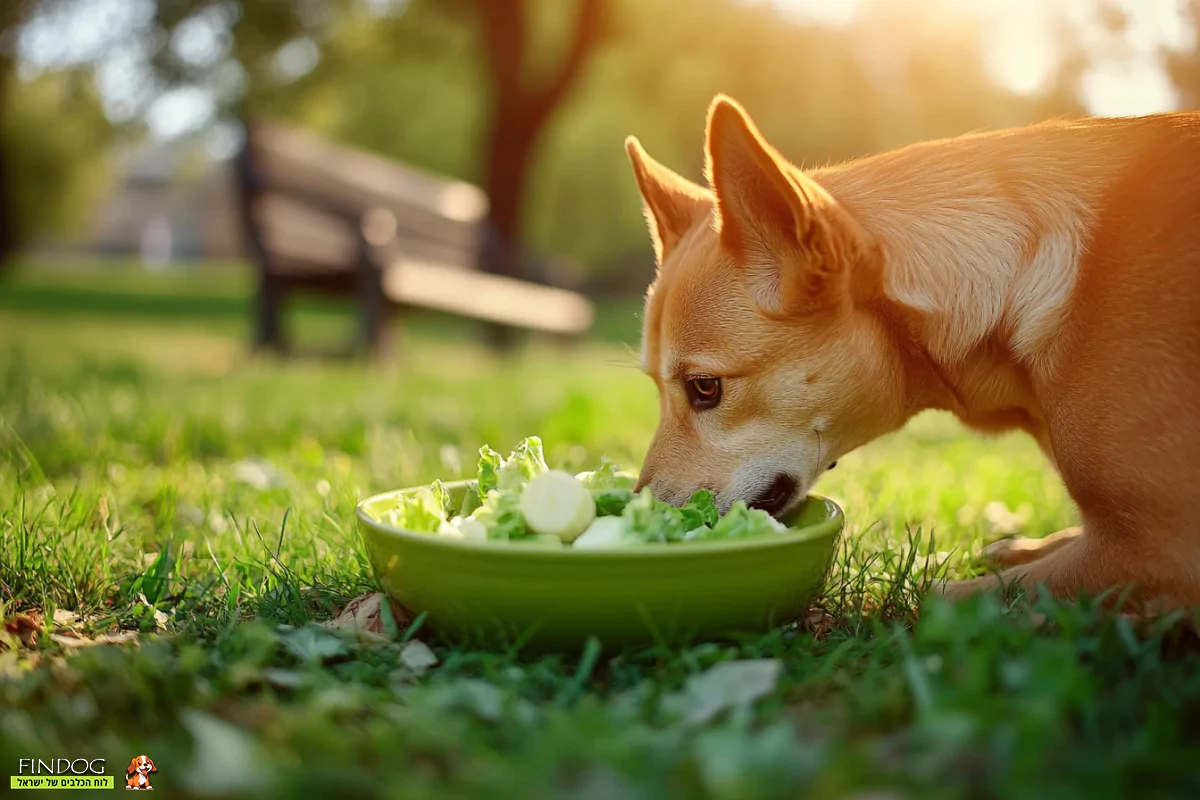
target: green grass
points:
(154, 477)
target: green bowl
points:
(499, 593)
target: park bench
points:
(330, 219)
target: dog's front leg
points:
(1018, 550)
(1092, 564)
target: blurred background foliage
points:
(417, 80)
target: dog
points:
(137, 774)
(1044, 278)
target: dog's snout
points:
(776, 496)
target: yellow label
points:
(61, 782)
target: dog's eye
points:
(704, 392)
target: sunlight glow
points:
(1021, 51)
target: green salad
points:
(520, 499)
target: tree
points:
(1184, 65)
(519, 113)
(53, 137)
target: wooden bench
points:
(331, 219)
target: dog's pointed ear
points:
(794, 240)
(672, 203)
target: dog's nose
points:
(775, 497)
(831, 466)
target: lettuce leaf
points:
(700, 510)
(490, 463)
(522, 464)
(423, 510)
(611, 502)
(606, 477)
(740, 522)
(501, 515)
(651, 520)
(512, 473)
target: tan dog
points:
(1045, 278)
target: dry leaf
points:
(417, 657)
(818, 622)
(26, 627)
(365, 614)
(74, 641)
(64, 617)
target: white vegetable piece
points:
(605, 532)
(470, 528)
(555, 503)
(448, 531)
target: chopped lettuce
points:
(556, 510)
(740, 522)
(490, 463)
(501, 516)
(607, 476)
(423, 511)
(611, 502)
(512, 473)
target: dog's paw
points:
(1019, 550)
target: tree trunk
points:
(12, 14)
(9, 239)
(8, 217)
(510, 149)
(519, 115)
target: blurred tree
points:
(53, 141)
(12, 14)
(519, 112)
(56, 141)
(1184, 65)
(532, 98)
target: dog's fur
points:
(137, 774)
(1044, 278)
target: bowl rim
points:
(826, 528)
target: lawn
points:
(154, 478)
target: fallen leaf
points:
(74, 641)
(818, 622)
(314, 645)
(283, 678)
(26, 627)
(417, 657)
(724, 686)
(366, 614)
(225, 761)
(482, 699)
(64, 617)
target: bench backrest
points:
(313, 196)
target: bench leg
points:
(373, 311)
(268, 333)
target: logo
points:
(60, 773)
(137, 774)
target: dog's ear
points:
(794, 240)
(132, 768)
(671, 202)
(152, 767)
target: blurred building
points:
(168, 204)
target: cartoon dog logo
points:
(137, 774)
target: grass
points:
(154, 478)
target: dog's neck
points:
(980, 241)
